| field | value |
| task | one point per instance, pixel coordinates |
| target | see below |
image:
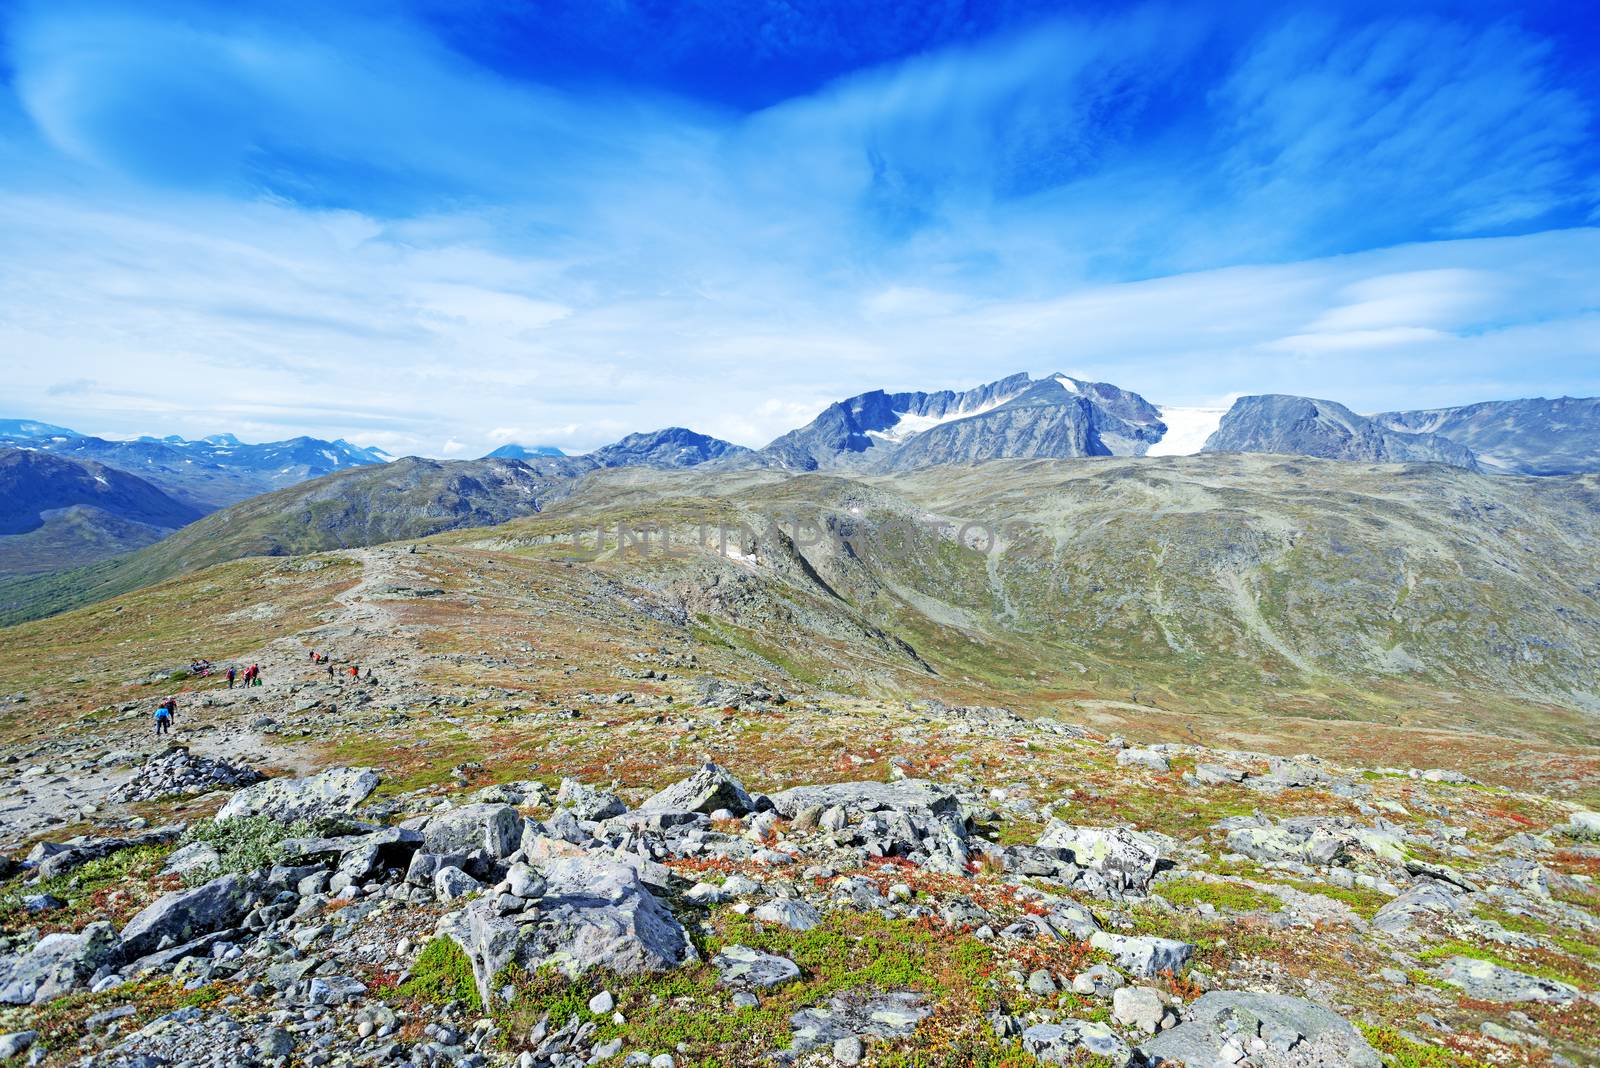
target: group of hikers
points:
(252, 675)
(167, 710)
(353, 672)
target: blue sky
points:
(439, 226)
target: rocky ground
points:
(623, 846)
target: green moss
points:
(442, 974)
(1225, 897)
(1478, 951)
(1398, 1051)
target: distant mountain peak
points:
(672, 446)
(513, 451)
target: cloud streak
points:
(255, 203)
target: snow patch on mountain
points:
(909, 425)
(1187, 430)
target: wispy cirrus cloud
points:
(262, 201)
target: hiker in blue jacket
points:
(164, 713)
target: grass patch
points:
(113, 888)
(1398, 1051)
(1224, 897)
(847, 952)
(1363, 901)
(442, 974)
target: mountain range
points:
(57, 512)
(1060, 416)
(208, 474)
(362, 500)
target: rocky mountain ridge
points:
(1534, 436)
(207, 474)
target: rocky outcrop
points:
(331, 793)
(710, 788)
(1116, 861)
(1273, 1031)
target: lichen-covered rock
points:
(744, 968)
(1070, 1041)
(186, 914)
(710, 788)
(1490, 982)
(57, 964)
(494, 828)
(1144, 956)
(595, 913)
(1223, 1026)
(334, 792)
(1122, 861)
(586, 803)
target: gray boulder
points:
(16, 1043)
(1116, 861)
(789, 912)
(1142, 955)
(586, 803)
(708, 789)
(494, 828)
(596, 913)
(187, 914)
(744, 968)
(1426, 898)
(1071, 1041)
(1143, 758)
(57, 964)
(451, 884)
(334, 792)
(1490, 982)
(1222, 1026)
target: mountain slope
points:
(1247, 585)
(1303, 426)
(1534, 436)
(409, 498)
(32, 483)
(56, 512)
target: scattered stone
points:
(741, 966)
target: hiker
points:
(330, 667)
(232, 671)
(255, 675)
(164, 713)
(313, 656)
(354, 671)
